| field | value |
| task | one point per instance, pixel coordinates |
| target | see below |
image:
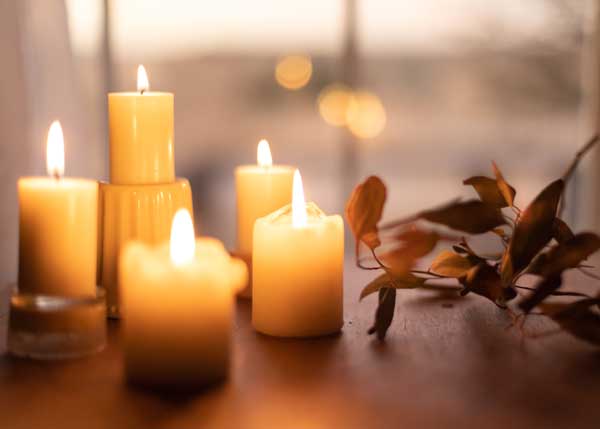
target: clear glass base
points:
(55, 327)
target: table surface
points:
(446, 363)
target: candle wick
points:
(142, 91)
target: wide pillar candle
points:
(260, 189)
(297, 271)
(141, 135)
(57, 229)
(177, 308)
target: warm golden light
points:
(183, 241)
(263, 154)
(334, 102)
(299, 218)
(366, 116)
(293, 71)
(142, 79)
(55, 151)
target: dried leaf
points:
(414, 244)
(561, 231)
(484, 280)
(487, 189)
(450, 264)
(364, 210)
(473, 216)
(543, 289)
(581, 318)
(385, 312)
(568, 254)
(389, 281)
(532, 232)
(507, 191)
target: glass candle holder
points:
(56, 327)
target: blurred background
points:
(423, 94)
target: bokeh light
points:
(365, 116)
(293, 71)
(334, 103)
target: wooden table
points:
(446, 363)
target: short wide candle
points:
(297, 271)
(177, 308)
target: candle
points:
(261, 189)
(141, 135)
(57, 228)
(177, 306)
(297, 270)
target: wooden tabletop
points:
(446, 363)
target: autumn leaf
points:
(473, 216)
(507, 191)
(364, 210)
(413, 244)
(484, 280)
(384, 313)
(544, 288)
(407, 281)
(451, 264)
(487, 189)
(532, 232)
(561, 231)
(581, 318)
(565, 255)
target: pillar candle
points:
(141, 135)
(57, 229)
(260, 189)
(297, 270)
(177, 308)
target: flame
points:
(299, 218)
(142, 79)
(263, 154)
(183, 242)
(55, 151)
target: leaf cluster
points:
(534, 241)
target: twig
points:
(558, 292)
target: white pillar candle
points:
(177, 308)
(297, 269)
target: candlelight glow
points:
(183, 241)
(55, 151)
(293, 71)
(263, 154)
(298, 204)
(142, 79)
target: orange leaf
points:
(364, 210)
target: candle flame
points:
(183, 242)
(55, 151)
(142, 79)
(263, 154)
(299, 218)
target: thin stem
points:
(429, 273)
(573, 166)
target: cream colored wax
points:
(141, 135)
(260, 189)
(297, 271)
(57, 229)
(177, 308)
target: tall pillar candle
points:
(141, 135)
(57, 229)
(297, 270)
(177, 302)
(260, 190)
